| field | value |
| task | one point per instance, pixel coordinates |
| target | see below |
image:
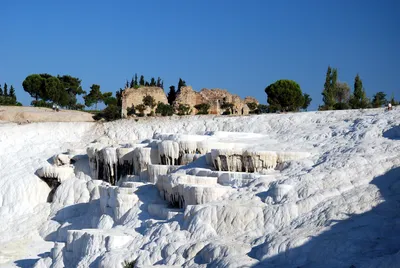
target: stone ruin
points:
(214, 97)
(134, 96)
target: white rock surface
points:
(335, 205)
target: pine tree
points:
(127, 84)
(5, 90)
(141, 81)
(153, 82)
(1, 91)
(181, 83)
(135, 82)
(132, 84)
(12, 93)
(158, 82)
(359, 98)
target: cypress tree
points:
(12, 93)
(1, 91)
(135, 82)
(5, 90)
(141, 81)
(359, 98)
(329, 87)
(171, 95)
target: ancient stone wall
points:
(215, 97)
(134, 96)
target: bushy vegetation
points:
(8, 97)
(164, 109)
(337, 96)
(202, 108)
(183, 109)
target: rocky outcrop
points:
(215, 98)
(134, 96)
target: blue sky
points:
(242, 46)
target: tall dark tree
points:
(12, 93)
(132, 84)
(5, 90)
(135, 81)
(141, 81)
(181, 83)
(1, 91)
(127, 84)
(152, 82)
(329, 88)
(359, 99)
(171, 95)
(159, 82)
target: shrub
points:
(149, 101)
(228, 107)
(140, 108)
(253, 107)
(184, 109)
(41, 103)
(164, 109)
(130, 110)
(202, 108)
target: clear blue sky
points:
(242, 46)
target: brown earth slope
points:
(25, 114)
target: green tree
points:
(329, 89)
(95, 96)
(262, 109)
(202, 108)
(5, 90)
(159, 83)
(33, 84)
(55, 92)
(171, 95)
(379, 99)
(12, 93)
(135, 81)
(307, 101)
(181, 83)
(108, 99)
(285, 95)
(141, 81)
(1, 91)
(132, 84)
(359, 99)
(152, 82)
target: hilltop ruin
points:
(214, 97)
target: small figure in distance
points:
(58, 108)
(54, 107)
(389, 106)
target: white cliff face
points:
(286, 190)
